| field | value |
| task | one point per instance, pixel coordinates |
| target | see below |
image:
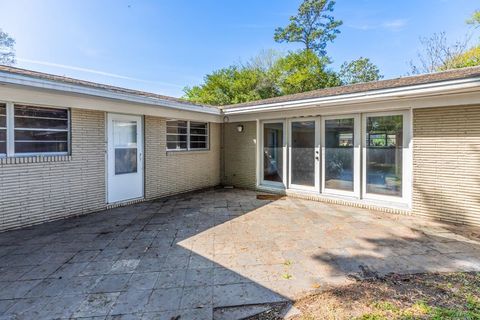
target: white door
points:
(304, 154)
(125, 157)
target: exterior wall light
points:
(240, 128)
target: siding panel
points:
(446, 156)
(35, 190)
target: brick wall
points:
(240, 155)
(446, 163)
(168, 173)
(34, 190)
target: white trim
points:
(23, 80)
(316, 186)
(362, 97)
(10, 130)
(356, 157)
(406, 159)
(140, 156)
(284, 182)
(188, 134)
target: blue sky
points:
(162, 46)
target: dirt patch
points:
(420, 296)
(272, 197)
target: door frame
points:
(316, 187)
(407, 167)
(140, 146)
(268, 183)
(356, 156)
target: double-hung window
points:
(187, 135)
(30, 130)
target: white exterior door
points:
(125, 157)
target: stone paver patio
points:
(193, 254)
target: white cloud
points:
(391, 25)
(97, 72)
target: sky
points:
(162, 46)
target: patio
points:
(198, 254)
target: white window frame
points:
(356, 156)
(188, 137)
(406, 159)
(267, 183)
(316, 187)
(10, 117)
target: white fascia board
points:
(364, 97)
(22, 80)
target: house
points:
(409, 145)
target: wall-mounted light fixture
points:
(240, 128)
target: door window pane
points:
(339, 154)
(303, 153)
(125, 144)
(384, 144)
(273, 152)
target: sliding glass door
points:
(304, 154)
(341, 155)
(273, 153)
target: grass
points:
(421, 296)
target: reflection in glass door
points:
(273, 161)
(304, 153)
(341, 154)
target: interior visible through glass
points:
(339, 154)
(125, 144)
(303, 153)
(273, 152)
(384, 144)
(3, 129)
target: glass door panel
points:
(303, 157)
(273, 161)
(384, 149)
(339, 154)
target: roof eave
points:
(23, 80)
(421, 90)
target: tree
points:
(475, 19)
(470, 58)
(226, 86)
(437, 54)
(313, 26)
(304, 71)
(265, 76)
(360, 70)
(7, 50)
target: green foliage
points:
(360, 70)
(475, 19)
(303, 71)
(265, 76)
(313, 26)
(469, 58)
(7, 50)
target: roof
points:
(450, 75)
(93, 85)
(455, 74)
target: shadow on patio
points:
(196, 255)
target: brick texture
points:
(240, 155)
(168, 173)
(446, 158)
(35, 190)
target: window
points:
(3, 129)
(384, 159)
(187, 135)
(273, 152)
(198, 135)
(40, 130)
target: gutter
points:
(21, 80)
(362, 97)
